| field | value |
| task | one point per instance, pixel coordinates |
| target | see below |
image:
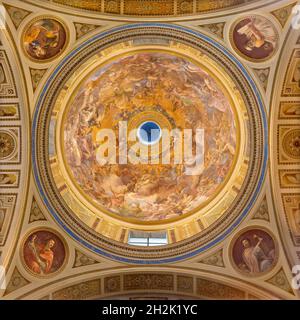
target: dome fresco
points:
(135, 88)
(149, 150)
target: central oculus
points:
(149, 132)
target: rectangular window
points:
(147, 239)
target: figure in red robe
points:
(42, 256)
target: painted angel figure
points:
(259, 33)
(43, 36)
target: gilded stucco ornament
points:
(7, 144)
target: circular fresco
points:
(44, 39)
(143, 77)
(163, 86)
(254, 252)
(43, 252)
(255, 38)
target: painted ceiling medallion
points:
(255, 38)
(44, 39)
(254, 252)
(151, 77)
(43, 252)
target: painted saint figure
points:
(254, 257)
(43, 255)
(44, 252)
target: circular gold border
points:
(34, 20)
(67, 254)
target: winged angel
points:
(259, 33)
